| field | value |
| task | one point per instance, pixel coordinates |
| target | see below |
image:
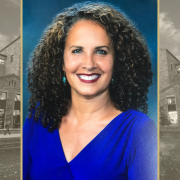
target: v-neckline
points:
(85, 147)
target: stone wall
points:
(11, 89)
(172, 63)
(12, 64)
(171, 91)
(169, 81)
(2, 70)
(163, 70)
(10, 77)
(2, 66)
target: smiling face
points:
(88, 59)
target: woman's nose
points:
(89, 62)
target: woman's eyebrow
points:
(98, 47)
(80, 47)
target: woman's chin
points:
(88, 94)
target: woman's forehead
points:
(87, 31)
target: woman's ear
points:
(63, 67)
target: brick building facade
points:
(169, 86)
(10, 58)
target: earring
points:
(64, 79)
(112, 80)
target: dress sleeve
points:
(143, 164)
(27, 137)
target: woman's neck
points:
(83, 108)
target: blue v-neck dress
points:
(126, 149)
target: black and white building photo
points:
(10, 94)
(169, 89)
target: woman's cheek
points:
(72, 64)
(106, 66)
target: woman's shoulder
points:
(138, 121)
(142, 146)
(137, 113)
(30, 119)
(138, 116)
(31, 124)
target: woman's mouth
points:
(88, 78)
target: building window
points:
(2, 62)
(2, 115)
(171, 101)
(15, 84)
(178, 70)
(17, 102)
(12, 81)
(11, 58)
(16, 113)
(3, 95)
(1, 112)
(9, 83)
(17, 97)
(171, 67)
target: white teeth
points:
(88, 77)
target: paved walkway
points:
(9, 136)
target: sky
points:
(38, 14)
(169, 26)
(9, 21)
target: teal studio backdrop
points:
(38, 14)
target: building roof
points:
(10, 43)
(2, 56)
(178, 61)
(170, 86)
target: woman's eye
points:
(101, 52)
(77, 51)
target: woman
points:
(89, 76)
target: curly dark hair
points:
(132, 73)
